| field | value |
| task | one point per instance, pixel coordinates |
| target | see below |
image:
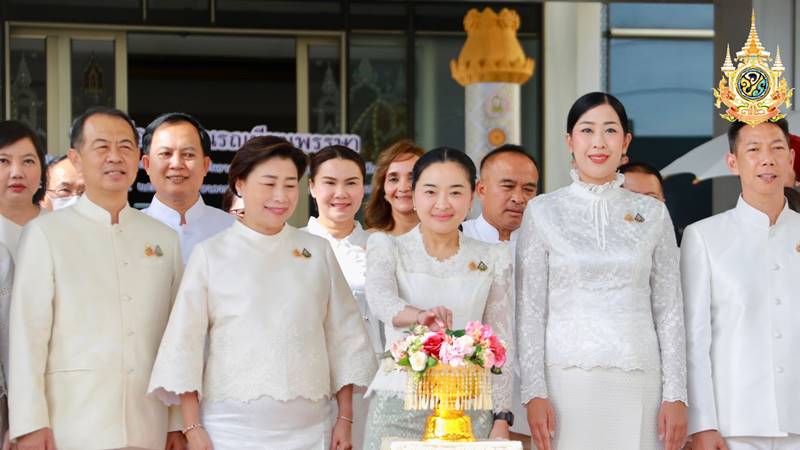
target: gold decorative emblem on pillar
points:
(492, 53)
(752, 90)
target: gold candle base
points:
(448, 425)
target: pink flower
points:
(488, 358)
(498, 349)
(398, 349)
(454, 353)
(479, 331)
(433, 343)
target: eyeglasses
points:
(65, 192)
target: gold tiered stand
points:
(449, 391)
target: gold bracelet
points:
(191, 427)
(346, 418)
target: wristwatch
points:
(508, 416)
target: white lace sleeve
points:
(381, 278)
(667, 301)
(532, 284)
(349, 350)
(499, 315)
(180, 362)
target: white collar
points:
(87, 208)
(355, 236)
(748, 214)
(488, 233)
(169, 216)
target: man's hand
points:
(38, 440)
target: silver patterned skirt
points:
(386, 417)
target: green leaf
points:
(456, 333)
(431, 362)
(404, 362)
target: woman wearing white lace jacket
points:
(284, 332)
(599, 309)
(436, 276)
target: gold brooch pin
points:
(156, 251)
(481, 266)
(301, 253)
(639, 218)
(628, 217)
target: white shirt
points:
(202, 222)
(598, 285)
(400, 272)
(351, 253)
(743, 322)
(482, 230)
(279, 317)
(10, 233)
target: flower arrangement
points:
(422, 349)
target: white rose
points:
(418, 361)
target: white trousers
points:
(791, 442)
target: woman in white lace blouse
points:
(436, 276)
(599, 308)
(284, 332)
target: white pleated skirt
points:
(268, 424)
(605, 409)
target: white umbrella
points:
(708, 160)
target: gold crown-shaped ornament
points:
(752, 91)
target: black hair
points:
(259, 149)
(54, 162)
(592, 100)
(642, 167)
(336, 152)
(443, 155)
(508, 148)
(172, 118)
(736, 127)
(76, 130)
(13, 131)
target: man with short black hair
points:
(738, 273)
(177, 155)
(509, 178)
(644, 179)
(64, 184)
(93, 289)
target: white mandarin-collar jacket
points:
(89, 306)
(743, 322)
(202, 222)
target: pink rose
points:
(433, 343)
(498, 349)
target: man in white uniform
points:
(739, 271)
(509, 178)
(64, 184)
(93, 288)
(177, 155)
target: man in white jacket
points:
(93, 288)
(739, 271)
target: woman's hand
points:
(342, 436)
(673, 421)
(175, 441)
(198, 439)
(542, 420)
(436, 318)
(708, 440)
(499, 430)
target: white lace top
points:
(400, 272)
(280, 320)
(598, 285)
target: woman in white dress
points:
(599, 307)
(23, 180)
(336, 177)
(390, 208)
(435, 276)
(284, 332)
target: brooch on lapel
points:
(301, 254)
(480, 266)
(631, 218)
(156, 251)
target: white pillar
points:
(573, 66)
(492, 117)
